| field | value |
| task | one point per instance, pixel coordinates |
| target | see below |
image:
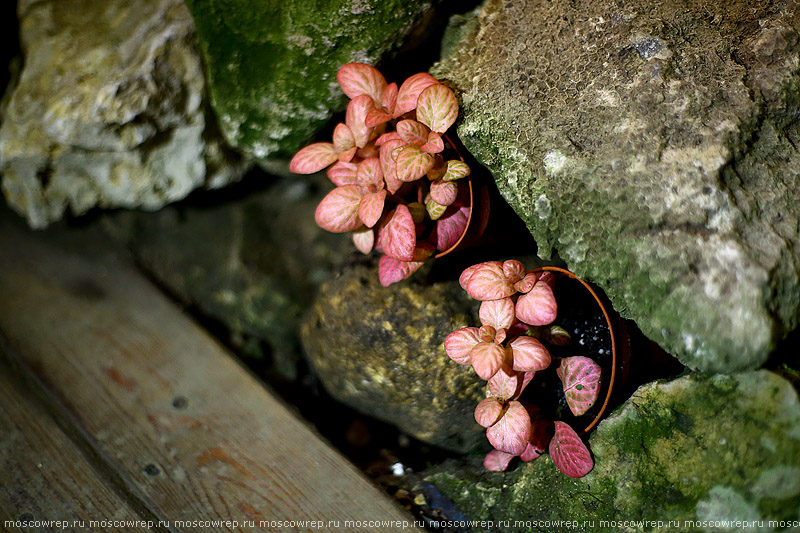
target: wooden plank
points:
(190, 433)
(48, 484)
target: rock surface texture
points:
(654, 147)
(379, 350)
(108, 110)
(708, 449)
(272, 64)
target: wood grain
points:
(190, 433)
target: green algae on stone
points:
(696, 448)
(380, 350)
(653, 147)
(271, 66)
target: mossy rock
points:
(699, 448)
(271, 65)
(653, 147)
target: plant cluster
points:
(395, 189)
(517, 312)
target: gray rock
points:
(699, 448)
(251, 264)
(653, 146)
(380, 350)
(108, 110)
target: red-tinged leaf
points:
(513, 431)
(364, 239)
(438, 170)
(356, 79)
(389, 165)
(338, 211)
(409, 92)
(488, 282)
(488, 412)
(370, 174)
(444, 192)
(526, 283)
(356, 116)
(437, 108)
(504, 386)
(487, 333)
(538, 307)
(500, 336)
(343, 138)
(389, 97)
(433, 144)
(423, 251)
(529, 354)
(569, 453)
(313, 158)
(497, 313)
(497, 461)
(386, 137)
(557, 336)
(487, 358)
(541, 433)
(412, 163)
(412, 132)
(398, 236)
(376, 117)
(370, 208)
(460, 343)
(455, 170)
(451, 227)
(435, 209)
(581, 379)
(469, 271)
(369, 151)
(514, 270)
(390, 270)
(526, 378)
(348, 155)
(344, 173)
(548, 277)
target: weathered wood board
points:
(188, 433)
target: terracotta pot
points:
(620, 344)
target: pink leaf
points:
(504, 386)
(348, 155)
(412, 132)
(487, 358)
(444, 192)
(526, 283)
(369, 151)
(488, 412)
(488, 282)
(343, 173)
(529, 354)
(569, 453)
(343, 138)
(412, 163)
(538, 307)
(497, 461)
(541, 433)
(469, 271)
(370, 173)
(513, 431)
(356, 116)
(398, 236)
(338, 211)
(450, 228)
(435, 209)
(497, 313)
(389, 97)
(581, 379)
(460, 343)
(437, 108)
(376, 117)
(389, 165)
(409, 92)
(390, 270)
(386, 137)
(455, 170)
(364, 239)
(313, 158)
(356, 79)
(514, 270)
(433, 144)
(370, 208)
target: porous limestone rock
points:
(380, 350)
(108, 110)
(694, 454)
(271, 64)
(653, 146)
